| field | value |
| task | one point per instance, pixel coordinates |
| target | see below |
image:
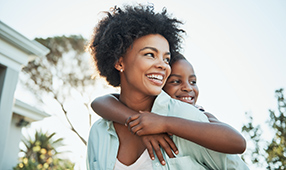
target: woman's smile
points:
(156, 78)
(146, 65)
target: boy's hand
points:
(210, 116)
(146, 123)
(200, 108)
(155, 141)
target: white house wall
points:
(15, 52)
(14, 137)
(6, 104)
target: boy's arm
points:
(213, 135)
(210, 116)
(109, 108)
(216, 136)
(235, 133)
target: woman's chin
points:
(155, 92)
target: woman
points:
(136, 43)
(181, 85)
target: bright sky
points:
(238, 47)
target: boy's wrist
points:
(167, 124)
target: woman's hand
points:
(155, 141)
(146, 123)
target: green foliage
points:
(254, 135)
(276, 150)
(63, 75)
(273, 152)
(41, 153)
(66, 65)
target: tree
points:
(41, 153)
(64, 74)
(275, 150)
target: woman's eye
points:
(167, 60)
(149, 55)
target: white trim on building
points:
(15, 52)
(29, 113)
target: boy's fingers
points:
(139, 132)
(134, 125)
(131, 118)
(172, 144)
(135, 129)
(150, 150)
(140, 111)
(167, 148)
(158, 152)
(127, 120)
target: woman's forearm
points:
(110, 108)
(216, 136)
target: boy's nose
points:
(187, 87)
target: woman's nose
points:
(163, 64)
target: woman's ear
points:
(119, 65)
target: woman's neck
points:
(137, 102)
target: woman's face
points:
(146, 65)
(181, 84)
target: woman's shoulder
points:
(101, 125)
(167, 106)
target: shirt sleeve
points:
(198, 155)
(234, 162)
(210, 158)
(90, 157)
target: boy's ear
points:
(119, 64)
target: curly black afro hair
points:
(115, 33)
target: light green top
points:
(103, 143)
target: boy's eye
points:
(175, 81)
(193, 82)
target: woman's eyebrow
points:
(151, 48)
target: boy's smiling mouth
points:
(187, 99)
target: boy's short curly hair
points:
(176, 57)
(115, 33)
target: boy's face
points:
(181, 84)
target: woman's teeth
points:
(153, 76)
